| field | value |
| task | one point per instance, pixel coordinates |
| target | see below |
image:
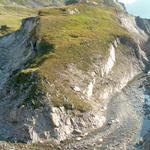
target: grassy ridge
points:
(76, 37)
(66, 38)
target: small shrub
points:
(3, 27)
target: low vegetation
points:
(11, 18)
(66, 38)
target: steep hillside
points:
(13, 11)
(60, 69)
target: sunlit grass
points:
(64, 39)
(12, 17)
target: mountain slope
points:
(72, 39)
(73, 60)
(41, 3)
(60, 69)
(13, 11)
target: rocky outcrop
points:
(111, 60)
(120, 5)
(108, 74)
(17, 48)
(143, 24)
(50, 123)
(129, 22)
(139, 29)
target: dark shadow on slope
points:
(44, 48)
(41, 52)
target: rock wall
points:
(143, 24)
(129, 22)
(139, 29)
(16, 48)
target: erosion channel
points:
(128, 120)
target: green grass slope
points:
(11, 16)
(13, 11)
(63, 39)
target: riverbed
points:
(128, 121)
(127, 126)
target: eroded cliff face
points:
(144, 24)
(39, 118)
(17, 48)
(139, 29)
(129, 22)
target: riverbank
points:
(125, 126)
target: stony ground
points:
(124, 120)
(121, 131)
